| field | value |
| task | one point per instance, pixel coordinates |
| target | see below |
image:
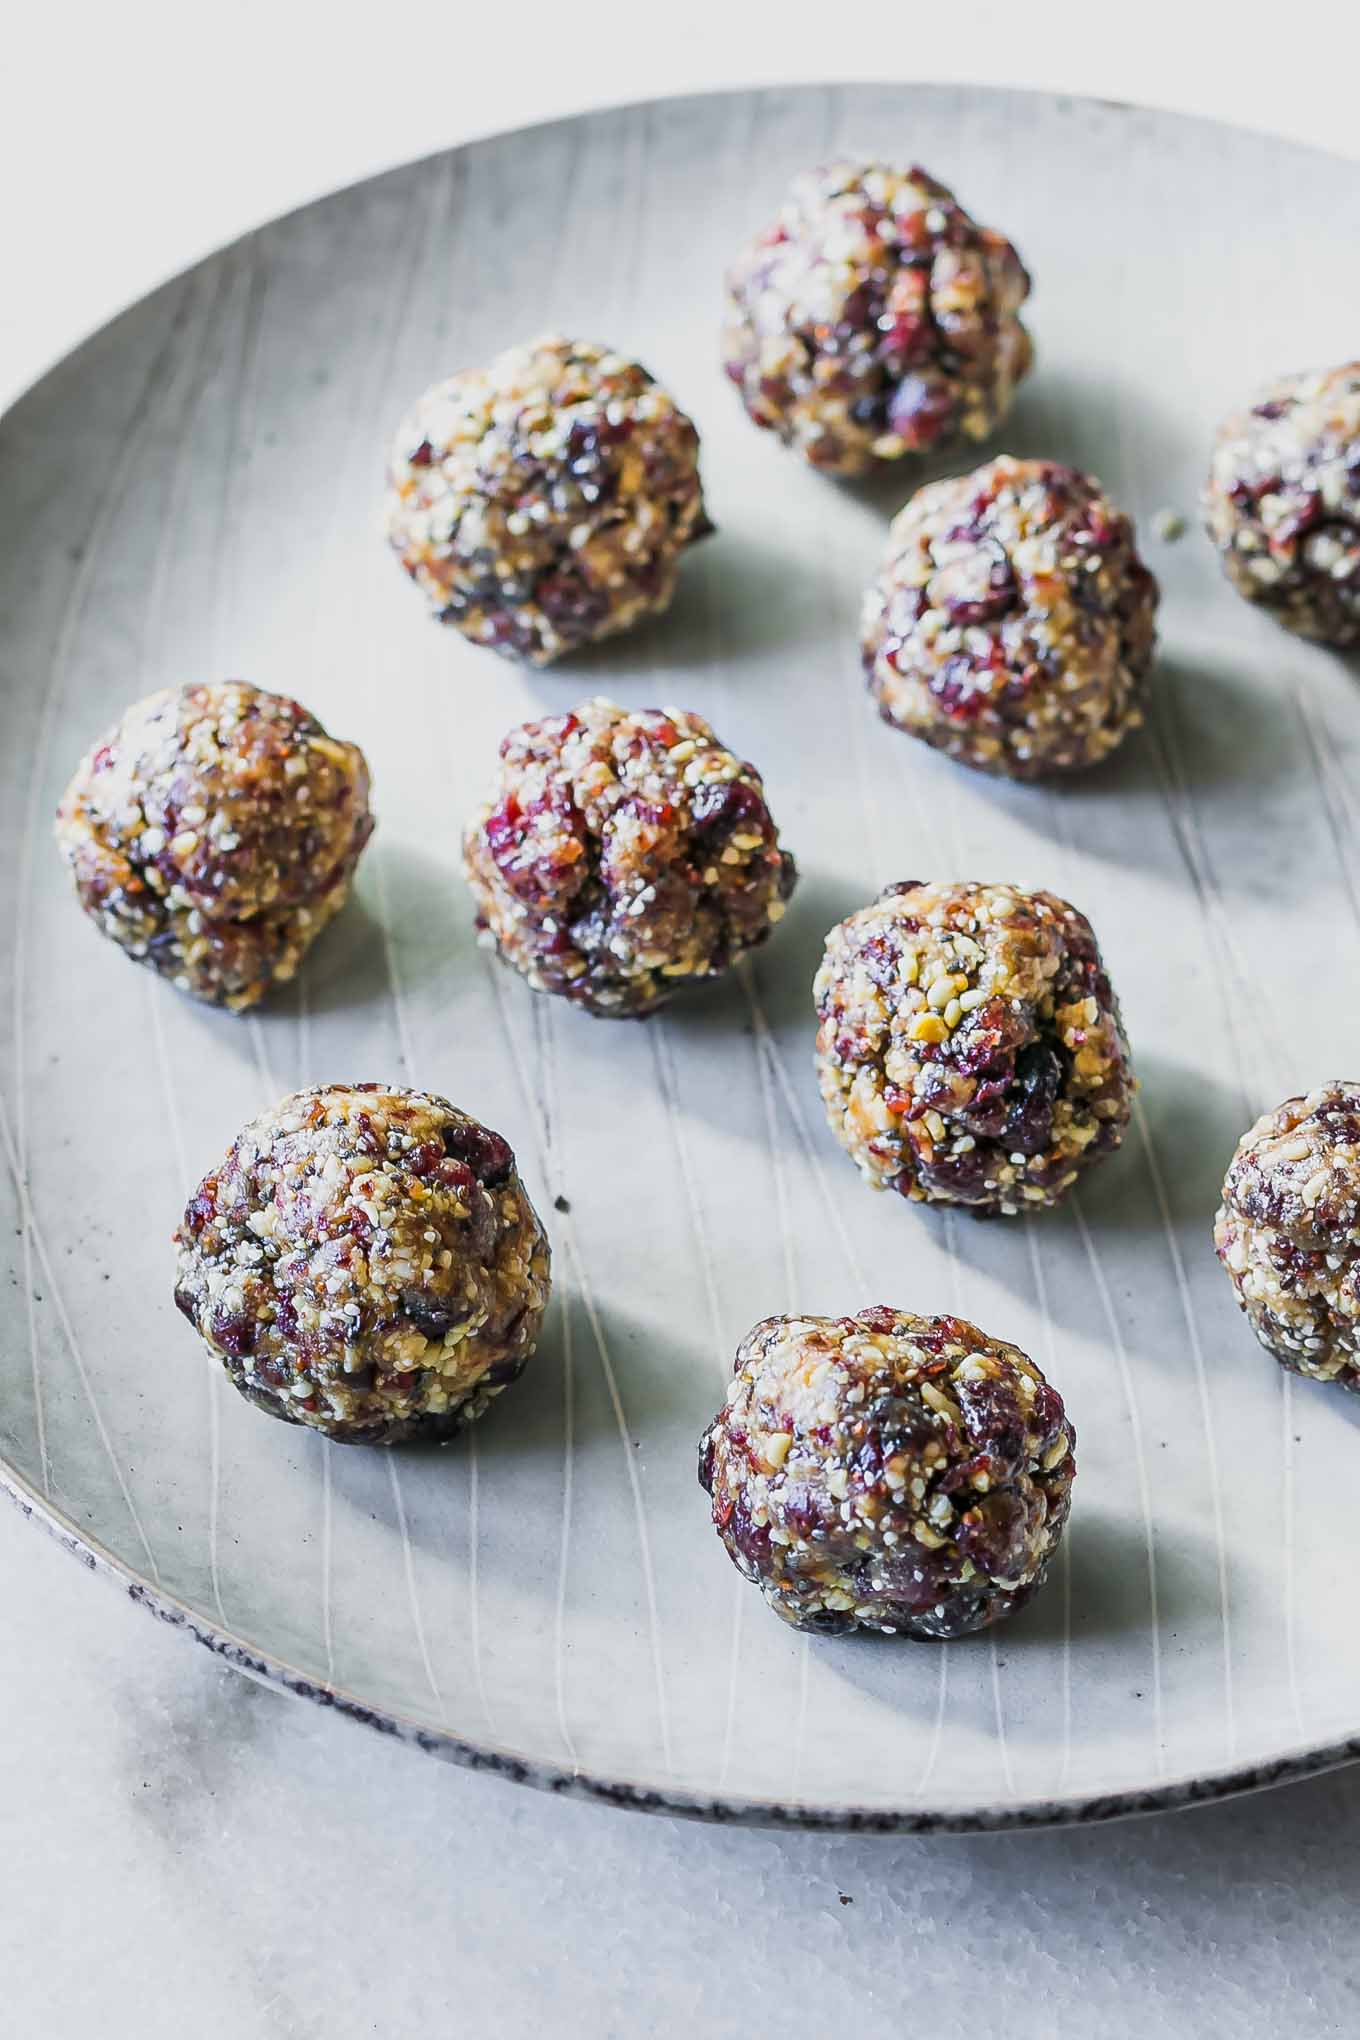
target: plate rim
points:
(1188, 1788)
(1055, 98)
(518, 1767)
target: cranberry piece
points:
(880, 957)
(880, 1317)
(479, 1149)
(976, 590)
(725, 805)
(921, 410)
(963, 1177)
(235, 1332)
(991, 1531)
(524, 841)
(959, 688)
(571, 605)
(1038, 1081)
(422, 456)
(201, 1208)
(751, 1539)
(432, 1316)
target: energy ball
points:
(623, 853)
(969, 1046)
(889, 1472)
(1013, 623)
(875, 319)
(1288, 1232)
(1282, 503)
(213, 834)
(544, 502)
(365, 1262)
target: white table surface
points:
(181, 1850)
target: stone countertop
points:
(185, 1848)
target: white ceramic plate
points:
(195, 493)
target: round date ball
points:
(969, 1046)
(888, 1472)
(1282, 503)
(365, 1262)
(875, 319)
(213, 834)
(544, 502)
(622, 854)
(1013, 623)
(1288, 1232)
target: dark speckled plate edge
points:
(259, 1664)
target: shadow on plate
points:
(410, 917)
(662, 1398)
(1101, 1580)
(735, 594)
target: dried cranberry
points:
(959, 686)
(1038, 1081)
(881, 959)
(571, 605)
(967, 1178)
(723, 805)
(978, 589)
(921, 410)
(992, 1532)
(526, 844)
(234, 1331)
(432, 1316)
(484, 1152)
(202, 1207)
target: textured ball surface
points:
(365, 1261)
(544, 502)
(1013, 623)
(887, 1471)
(969, 1046)
(1282, 503)
(875, 319)
(214, 833)
(1288, 1232)
(623, 854)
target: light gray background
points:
(185, 1852)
